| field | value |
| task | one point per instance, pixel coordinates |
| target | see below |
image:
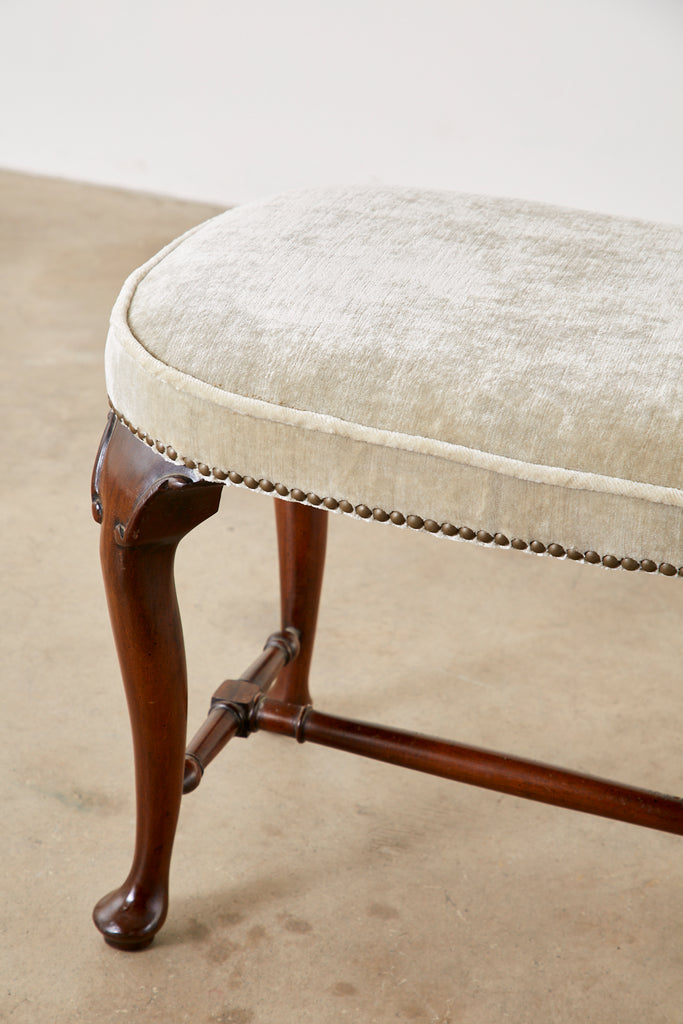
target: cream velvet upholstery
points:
(509, 369)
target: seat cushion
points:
(490, 369)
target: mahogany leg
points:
(146, 505)
(302, 538)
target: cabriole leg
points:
(302, 539)
(146, 505)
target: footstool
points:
(490, 371)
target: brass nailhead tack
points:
(249, 482)
(282, 490)
(415, 522)
(501, 540)
(203, 469)
(266, 486)
(190, 463)
(647, 565)
(556, 550)
(313, 499)
(593, 557)
(667, 569)
(611, 561)
(449, 530)
(331, 503)
(160, 447)
(431, 526)
(220, 474)
(397, 518)
(346, 506)
(537, 547)
(297, 494)
(574, 554)
(363, 511)
(519, 545)
(466, 533)
(484, 536)
(149, 441)
(235, 477)
(172, 453)
(630, 564)
(380, 515)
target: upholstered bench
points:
(489, 371)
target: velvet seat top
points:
(506, 369)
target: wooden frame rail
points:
(240, 707)
(476, 766)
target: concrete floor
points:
(309, 886)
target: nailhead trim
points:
(414, 522)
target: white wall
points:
(573, 101)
